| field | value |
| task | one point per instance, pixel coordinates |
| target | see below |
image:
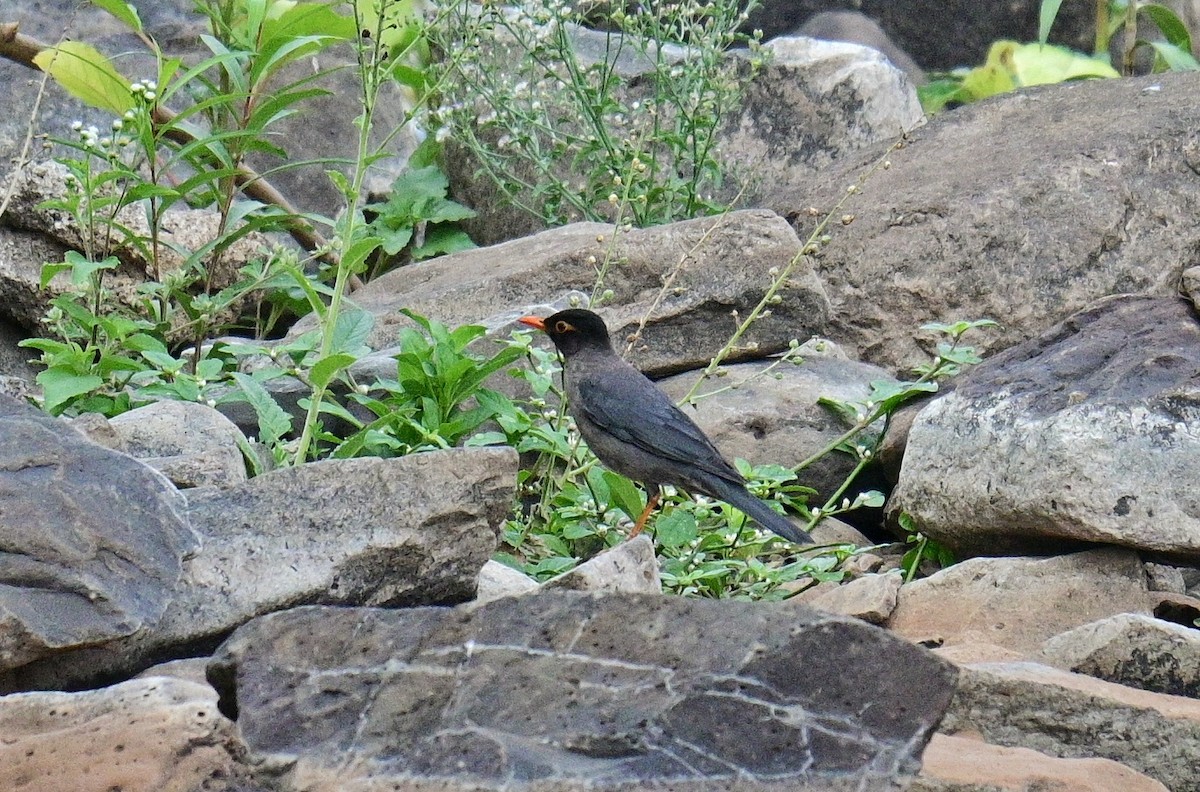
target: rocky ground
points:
(168, 624)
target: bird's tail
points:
(737, 495)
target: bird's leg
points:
(651, 502)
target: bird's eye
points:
(562, 327)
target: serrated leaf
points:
(87, 75)
(274, 422)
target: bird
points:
(636, 430)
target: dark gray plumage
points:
(635, 429)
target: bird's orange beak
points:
(536, 322)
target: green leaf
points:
(1173, 58)
(624, 494)
(325, 369)
(441, 241)
(87, 75)
(123, 11)
(676, 528)
(61, 384)
(274, 422)
(1172, 28)
(1046, 17)
(350, 334)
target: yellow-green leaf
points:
(87, 75)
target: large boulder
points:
(1024, 209)
(93, 540)
(1088, 433)
(407, 531)
(572, 692)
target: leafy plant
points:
(567, 135)
(1011, 65)
(418, 217)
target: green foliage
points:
(923, 549)
(1011, 65)
(569, 135)
(418, 217)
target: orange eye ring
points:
(562, 327)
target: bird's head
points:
(572, 330)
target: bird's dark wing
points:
(634, 411)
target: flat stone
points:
(1075, 716)
(498, 580)
(569, 691)
(1019, 602)
(192, 444)
(145, 735)
(407, 531)
(961, 764)
(1131, 649)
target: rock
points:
(14, 360)
(1070, 715)
(145, 735)
(775, 417)
(871, 598)
(191, 669)
(1164, 577)
(1029, 234)
(498, 580)
(22, 253)
(961, 764)
(93, 540)
(1018, 603)
(813, 103)
(1131, 649)
(858, 28)
(1088, 433)
(629, 567)
(831, 530)
(571, 691)
(406, 531)
(192, 444)
(908, 23)
(96, 428)
(727, 262)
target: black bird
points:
(635, 429)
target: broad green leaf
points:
(123, 11)
(350, 334)
(624, 494)
(441, 241)
(60, 384)
(87, 75)
(327, 368)
(1172, 28)
(676, 528)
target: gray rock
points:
(93, 540)
(1089, 433)
(498, 580)
(871, 598)
(406, 531)
(775, 417)
(190, 443)
(1018, 603)
(1131, 649)
(14, 360)
(630, 567)
(1071, 715)
(727, 262)
(1036, 229)
(570, 691)
(158, 734)
(858, 28)
(22, 254)
(813, 103)
(1164, 577)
